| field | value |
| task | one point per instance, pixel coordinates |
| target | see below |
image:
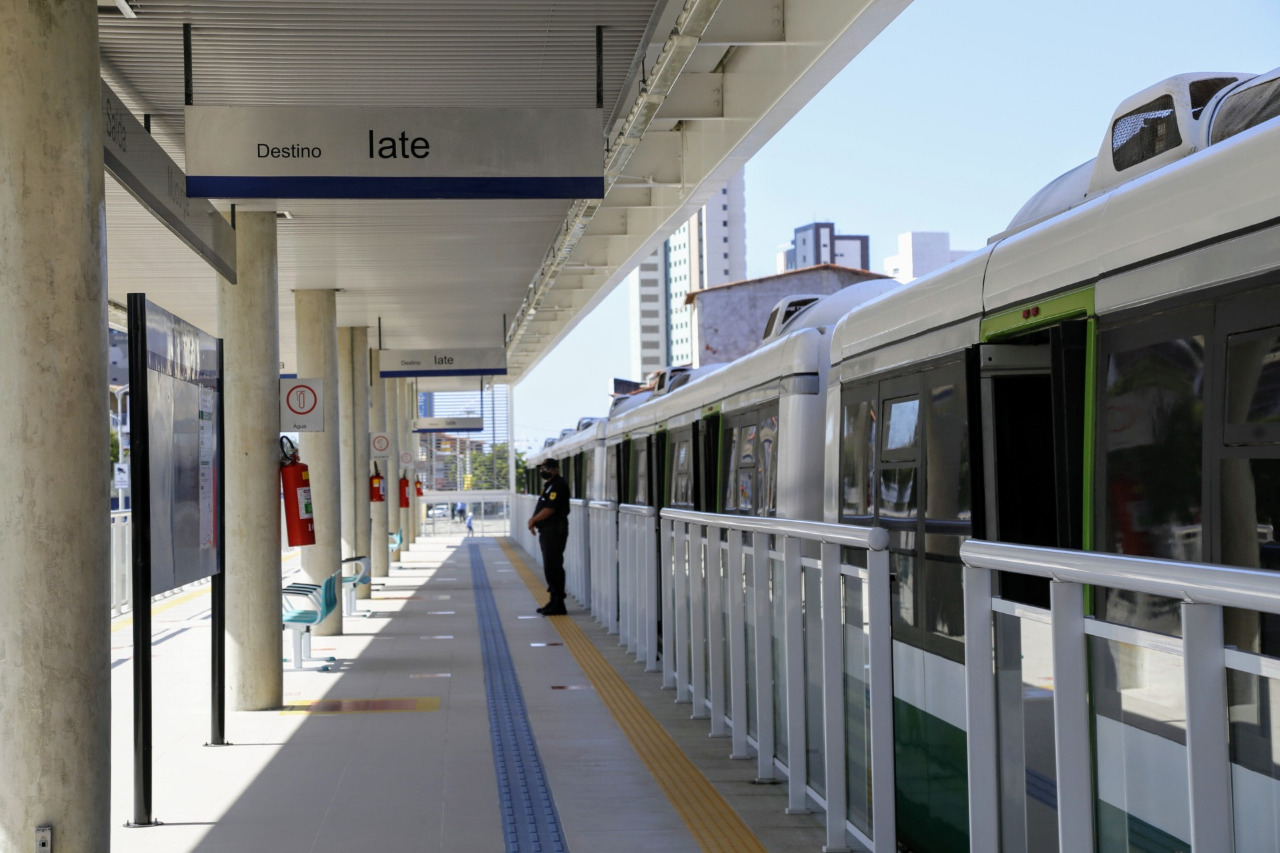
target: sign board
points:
(448, 425)
(406, 458)
(302, 405)
(381, 152)
(457, 361)
(380, 445)
(142, 167)
(121, 474)
(420, 465)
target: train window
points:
(588, 473)
(947, 464)
(898, 495)
(1253, 387)
(1202, 91)
(748, 445)
(1251, 513)
(1153, 449)
(1149, 130)
(1244, 109)
(901, 419)
(768, 440)
(731, 480)
(612, 455)
(857, 453)
(640, 458)
(681, 473)
(745, 498)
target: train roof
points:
(827, 310)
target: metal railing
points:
(122, 566)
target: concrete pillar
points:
(378, 511)
(249, 324)
(392, 396)
(346, 442)
(55, 691)
(360, 444)
(316, 319)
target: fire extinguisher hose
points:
(290, 455)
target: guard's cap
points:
(551, 464)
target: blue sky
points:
(949, 121)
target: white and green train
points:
(1103, 376)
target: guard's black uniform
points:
(553, 535)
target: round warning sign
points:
(301, 399)
(302, 405)
(406, 458)
(380, 445)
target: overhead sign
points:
(380, 445)
(142, 167)
(302, 405)
(449, 425)
(458, 361)
(379, 152)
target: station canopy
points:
(688, 91)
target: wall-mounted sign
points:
(458, 361)
(121, 474)
(380, 445)
(302, 405)
(378, 152)
(449, 425)
(142, 167)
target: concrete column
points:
(360, 443)
(249, 324)
(55, 691)
(378, 511)
(346, 442)
(392, 395)
(316, 319)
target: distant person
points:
(461, 511)
(551, 522)
(470, 530)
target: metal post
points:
(698, 620)
(980, 712)
(666, 528)
(715, 631)
(833, 710)
(793, 654)
(738, 646)
(1071, 724)
(1208, 752)
(680, 567)
(764, 658)
(653, 581)
(880, 642)
(218, 590)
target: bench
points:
(394, 540)
(351, 582)
(304, 605)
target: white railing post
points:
(652, 604)
(624, 578)
(880, 651)
(764, 657)
(980, 712)
(1208, 752)
(698, 580)
(667, 528)
(793, 653)
(833, 699)
(737, 647)
(681, 546)
(1071, 724)
(715, 631)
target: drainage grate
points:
(529, 818)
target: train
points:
(1104, 375)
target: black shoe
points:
(543, 608)
(555, 610)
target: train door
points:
(1032, 398)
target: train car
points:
(1105, 375)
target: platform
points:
(394, 748)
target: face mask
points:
(546, 475)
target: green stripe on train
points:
(932, 781)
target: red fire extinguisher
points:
(404, 491)
(296, 484)
(377, 486)
(417, 487)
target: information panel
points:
(378, 152)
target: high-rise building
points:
(708, 249)
(818, 243)
(920, 253)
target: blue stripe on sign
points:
(345, 186)
(529, 818)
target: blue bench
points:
(305, 605)
(351, 582)
(394, 541)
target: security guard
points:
(551, 521)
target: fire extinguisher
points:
(377, 486)
(404, 491)
(417, 487)
(296, 484)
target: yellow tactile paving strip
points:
(710, 819)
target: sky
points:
(949, 121)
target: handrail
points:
(607, 505)
(637, 509)
(1197, 583)
(873, 538)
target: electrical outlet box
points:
(44, 839)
